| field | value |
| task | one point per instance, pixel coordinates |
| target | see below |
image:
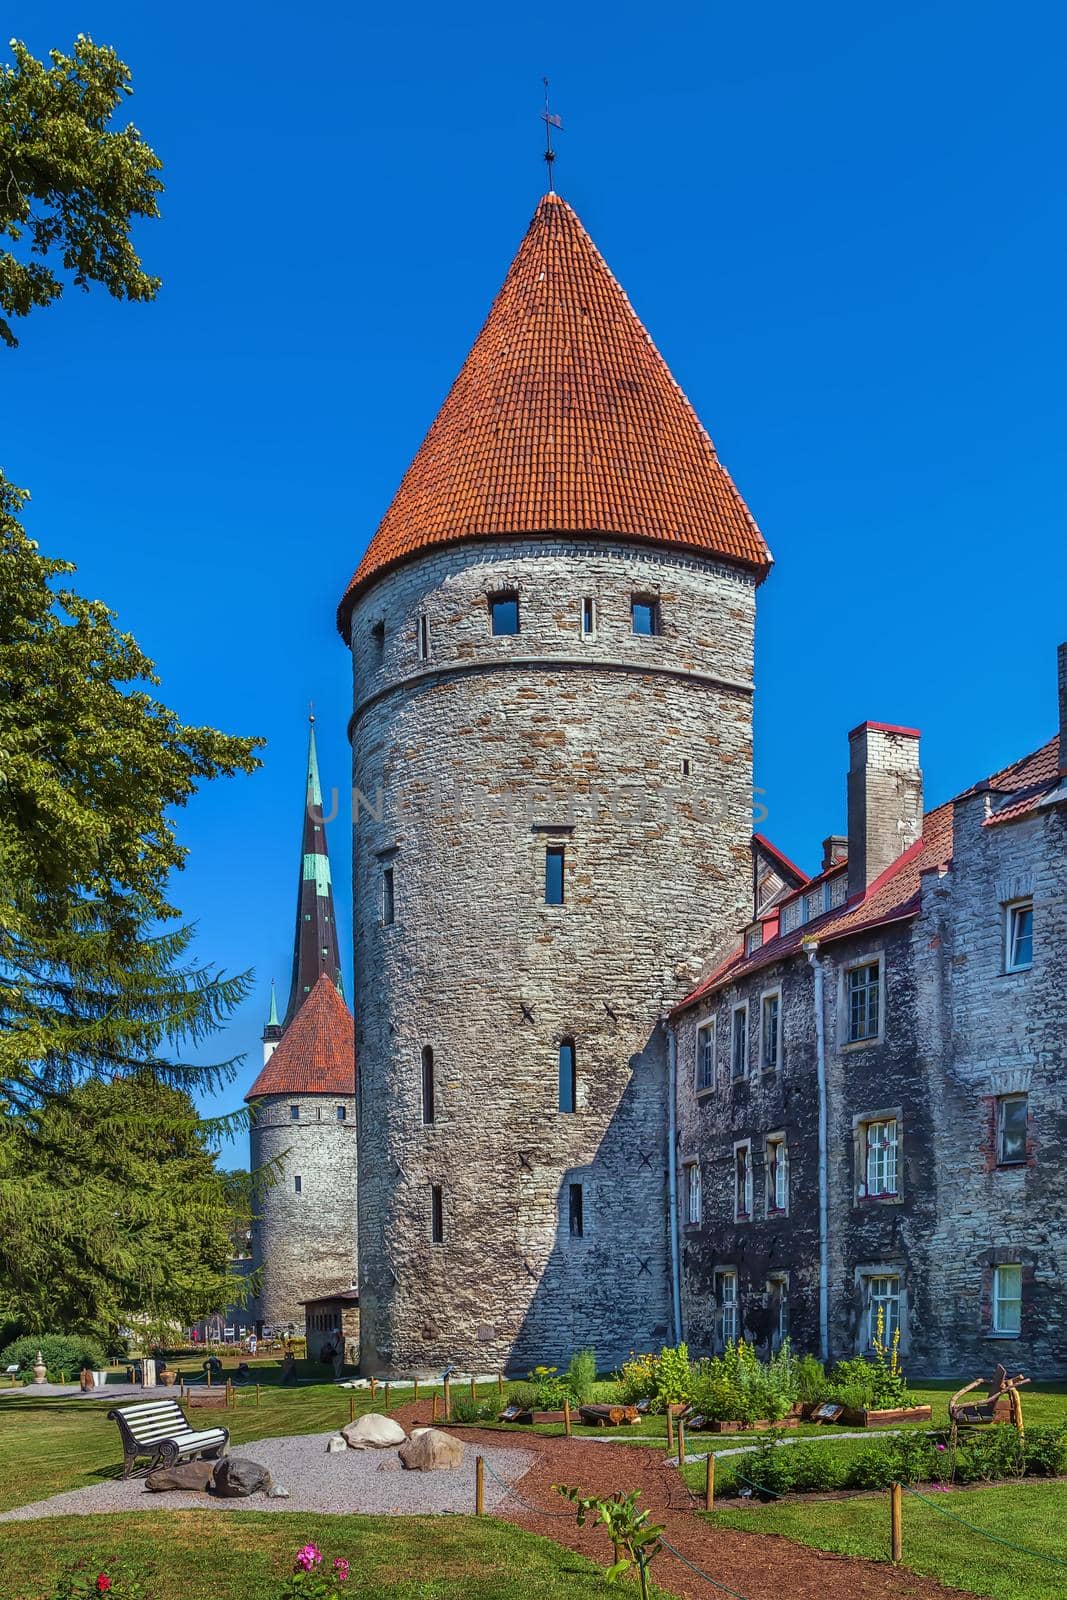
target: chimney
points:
(1062, 657)
(834, 850)
(885, 799)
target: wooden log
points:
(479, 1487)
(608, 1416)
(709, 1482)
(896, 1522)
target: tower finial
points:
(311, 710)
(550, 121)
(272, 1020)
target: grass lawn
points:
(1031, 1514)
(212, 1555)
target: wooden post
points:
(500, 1384)
(209, 1372)
(448, 1399)
(351, 1407)
(230, 1400)
(566, 1417)
(709, 1483)
(387, 1397)
(681, 1442)
(479, 1487)
(415, 1386)
(433, 1415)
(257, 1396)
(670, 1429)
(896, 1522)
(474, 1391)
(373, 1387)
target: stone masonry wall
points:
(304, 1244)
(634, 753)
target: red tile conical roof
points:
(564, 419)
(317, 1051)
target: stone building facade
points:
(882, 1000)
(552, 764)
(302, 1134)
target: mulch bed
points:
(756, 1566)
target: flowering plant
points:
(311, 1577)
(86, 1580)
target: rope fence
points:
(1020, 1549)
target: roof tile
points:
(317, 1052)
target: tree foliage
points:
(112, 1209)
(70, 185)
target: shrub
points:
(738, 1387)
(551, 1388)
(62, 1353)
(1045, 1451)
(523, 1395)
(809, 1375)
(637, 1378)
(464, 1409)
(581, 1376)
(665, 1379)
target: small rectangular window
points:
(882, 1320)
(742, 1182)
(377, 635)
(880, 1141)
(770, 1017)
(424, 637)
(1011, 1129)
(568, 1076)
(588, 617)
(705, 1069)
(437, 1214)
(341, 1113)
(777, 1175)
(692, 1192)
(1019, 936)
(862, 1017)
(1008, 1299)
(294, 1113)
(504, 612)
(644, 614)
(388, 898)
(576, 1211)
(554, 859)
(298, 1184)
(739, 1042)
(427, 1085)
(726, 1286)
(778, 1306)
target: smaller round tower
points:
(302, 1135)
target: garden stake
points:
(433, 1418)
(566, 1417)
(448, 1399)
(670, 1428)
(387, 1397)
(479, 1487)
(500, 1384)
(257, 1396)
(209, 1373)
(896, 1522)
(709, 1483)
(373, 1387)
(474, 1392)
(415, 1385)
(351, 1408)
(681, 1443)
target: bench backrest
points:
(149, 1420)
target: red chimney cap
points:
(884, 727)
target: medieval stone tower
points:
(303, 1105)
(552, 639)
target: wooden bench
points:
(160, 1431)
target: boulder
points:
(431, 1450)
(373, 1432)
(236, 1477)
(335, 1445)
(184, 1475)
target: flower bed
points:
(761, 1425)
(863, 1417)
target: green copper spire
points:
(272, 1020)
(315, 947)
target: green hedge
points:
(62, 1353)
(906, 1458)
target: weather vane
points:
(550, 121)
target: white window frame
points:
(740, 1009)
(881, 1155)
(780, 1332)
(694, 1198)
(765, 997)
(845, 1031)
(705, 1025)
(727, 1303)
(1012, 910)
(744, 1215)
(777, 1163)
(1000, 1299)
(1002, 1101)
(791, 916)
(754, 939)
(885, 1297)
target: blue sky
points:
(840, 224)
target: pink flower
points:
(308, 1557)
(942, 1447)
(340, 1566)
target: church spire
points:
(315, 947)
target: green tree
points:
(70, 185)
(121, 1213)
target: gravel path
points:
(360, 1480)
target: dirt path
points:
(756, 1566)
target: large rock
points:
(335, 1445)
(185, 1475)
(236, 1477)
(373, 1432)
(430, 1450)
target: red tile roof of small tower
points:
(564, 419)
(317, 1052)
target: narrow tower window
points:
(437, 1214)
(644, 614)
(568, 1076)
(294, 1113)
(424, 637)
(427, 1084)
(576, 1211)
(297, 1184)
(588, 617)
(504, 612)
(377, 635)
(554, 875)
(388, 898)
(341, 1113)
